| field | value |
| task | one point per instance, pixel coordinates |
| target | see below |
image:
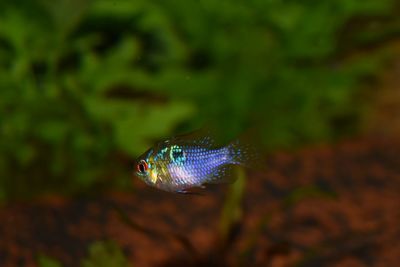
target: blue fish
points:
(180, 164)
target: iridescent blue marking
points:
(161, 154)
(177, 155)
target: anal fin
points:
(225, 174)
(192, 190)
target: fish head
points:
(146, 168)
(152, 168)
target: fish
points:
(180, 164)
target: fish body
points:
(178, 165)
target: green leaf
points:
(45, 261)
(105, 254)
(232, 210)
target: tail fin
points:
(243, 154)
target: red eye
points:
(142, 166)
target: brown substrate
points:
(335, 205)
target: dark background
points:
(87, 86)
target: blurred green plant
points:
(232, 211)
(82, 80)
(105, 254)
(45, 261)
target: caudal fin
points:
(243, 154)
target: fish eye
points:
(142, 166)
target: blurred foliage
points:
(45, 261)
(232, 211)
(81, 80)
(100, 254)
(105, 254)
